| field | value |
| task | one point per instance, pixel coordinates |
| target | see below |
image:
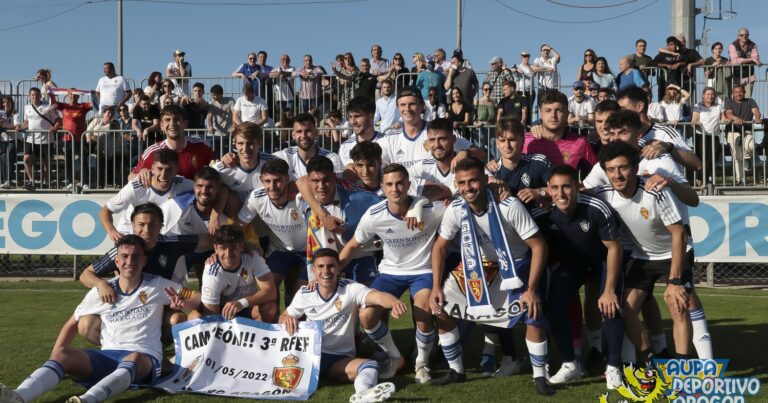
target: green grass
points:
(33, 311)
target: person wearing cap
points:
(581, 107)
(462, 77)
(179, 68)
(498, 75)
(546, 68)
(524, 74)
(592, 89)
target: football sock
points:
(596, 340)
(424, 342)
(381, 335)
(538, 354)
(659, 342)
(113, 384)
(701, 338)
(490, 343)
(367, 376)
(628, 353)
(41, 380)
(449, 343)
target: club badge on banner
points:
(245, 358)
(506, 303)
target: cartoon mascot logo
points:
(644, 385)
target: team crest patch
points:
(584, 224)
(289, 375)
(426, 146)
(243, 274)
(566, 156)
(475, 286)
(526, 179)
(143, 297)
(294, 214)
(163, 260)
(644, 212)
(490, 269)
(337, 304)
(194, 161)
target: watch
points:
(675, 281)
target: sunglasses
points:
(744, 35)
(589, 55)
(486, 89)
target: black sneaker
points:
(663, 354)
(542, 387)
(594, 361)
(450, 377)
(29, 186)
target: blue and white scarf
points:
(478, 297)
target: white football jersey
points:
(180, 217)
(287, 226)
(428, 169)
(134, 194)
(517, 223)
(134, 322)
(298, 168)
(666, 134)
(241, 180)
(663, 165)
(406, 252)
(346, 146)
(221, 285)
(338, 313)
(400, 148)
(645, 217)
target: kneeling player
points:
(336, 303)
(130, 336)
(237, 281)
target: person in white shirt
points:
(250, 108)
(43, 121)
(581, 108)
(379, 65)
(130, 338)
(112, 90)
(360, 116)
(236, 283)
(241, 170)
(387, 116)
(305, 134)
(336, 302)
(165, 185)
(545, 68)
(661, 248)
(708, 113)
(281, 81)
(179, 68)
(440, 141)
(189, 213)
(433, 108)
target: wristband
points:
(676, 281)
(244, 302)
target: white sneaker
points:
(8, 395)
(389, 367)
(86, 187)
(5, 185)
(507, 367)
(422, 374)
(378, 393)
(613, 378)
(569, 371)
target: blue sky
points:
(217, 38)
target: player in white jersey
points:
(336, 303)
(286, 227)
(241, 170)
(406, 265)
(406, 146)
(305, 134)
(662, 247)
(440, 143)
(360, 111)
(164, 185)
(524, 243)
(130, 338)
(189, 213)
(236, 281)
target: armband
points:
(184, 293)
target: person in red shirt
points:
(193, 153)
(73, 115)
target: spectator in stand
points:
(146, 121)
(708, 113)
(124, 119)
(42, 120)
(581, 108)
(743, 52)
(441, 63)
(73, 115)
(602, 74)
(546, 67)
(496, 78)
(310, 77)
(639, 58)
(169, 93)
(220, 119)
(249, 70)
(433, 108)
(691, 59)
(604, 94)
(460, 113)
(462, 77)
(418, 59)
(740, 113)
(429, 78)
(485, 108)
(684, 61)
(387, 115)
(393, 73)
(134, 99)
(523, 81)
(196, 108)
(154, 87)
(365, 82)
(250, 108)
(512, 105)
(264, 87)
(180, 69)
(43, 76)
(589, 63)
(670, 61)
(379, 65)
(9, 120)
(628, 75)
(111, 90)
(282, 87)
(592, 90)
(346, 73)
(106, 146)
(718, 76)
(673, 103)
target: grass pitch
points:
(32, 313)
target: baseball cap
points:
(524, 53)
(495, 59)
(409, 92)
(578, 84)
(178, 53)
(594, 86)
(458, 54)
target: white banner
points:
(53, 224)
(245, 358)
(730, 229)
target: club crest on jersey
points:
(584, 224)
(566, 156)
(194, 161)
(525, 179)
(426, 146)
(243, 274)
(475, 286)
(289, 375)
(143, 297)
(163, 260)
(644, 212)
(294, 214)
(337, 304)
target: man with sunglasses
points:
(546, 67)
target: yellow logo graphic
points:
(337, 304)
(644, 212)
(289, 375)
(644, 385)
(143, 297)
(294, 215)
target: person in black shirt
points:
(512, 104)
(365, 82)
(146, 120)
(196, 108)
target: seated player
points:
(336, 302)
(237, 283)
(130, 338)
